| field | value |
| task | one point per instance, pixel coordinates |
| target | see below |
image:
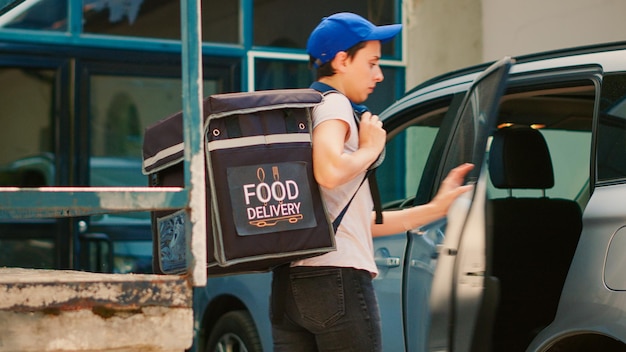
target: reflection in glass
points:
(155, 18)
(132, 257)
(279, 74)
(160, 19)
(26, 134)
(476, 117)
(292, 21)
(612, 129)
(37, 14)
(405, 160)
(27, 253)
(121, 107)
(220, 21)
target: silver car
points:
(533, 259)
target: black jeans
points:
(324, 309)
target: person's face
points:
(363, 72)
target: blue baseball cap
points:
(341, 31)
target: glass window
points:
(121, 108)
(160, 19)
(278, 74)
(564, 119)
(156, 18)
(37, 14)
(99, 253)
(30, 111)
(27, 253)
(569, 151)
(477, 116)
(132, 257)
(405, 160)
(27, 157)
(220, 21)
(611, 152)
(293, 21)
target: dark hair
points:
(326, 69)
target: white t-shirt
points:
(354, 235)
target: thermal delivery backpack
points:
(264, 208)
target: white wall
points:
(445, 35)
(513, 27)
(441, 35)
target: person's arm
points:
(399, 221)
(331, 166)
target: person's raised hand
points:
(452, 187)
(372, 135)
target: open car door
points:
(463, 297)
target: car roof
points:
(608, 55)
(534, 57)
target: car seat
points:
(534, 239)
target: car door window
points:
(406, 157)
(612, 130)
(409, 149)
(417, 136)
(563, 115)
(459, 281)
(470, 136)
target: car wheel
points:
(234, 331)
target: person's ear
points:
(340, 61)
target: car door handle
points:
(388, 262)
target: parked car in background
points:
(533, 259)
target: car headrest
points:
(519, 158)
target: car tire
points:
(234, 331)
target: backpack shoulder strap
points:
(370, 175)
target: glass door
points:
(34, 141)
